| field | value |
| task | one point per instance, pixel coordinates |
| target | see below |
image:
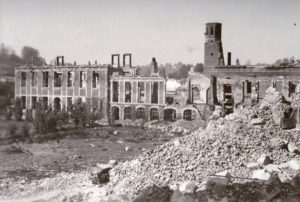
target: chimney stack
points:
(154, 63)
(229, 58)
(60, 58)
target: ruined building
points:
(213, 51)
(115, 92)
(135, 97)
(235, 86)
(60, 85)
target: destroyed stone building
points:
(61, 85)
(135, 97)
(115, 92)
(118, 92)
(236, 86)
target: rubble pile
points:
(177, 128)
(247, 144)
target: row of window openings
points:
(248, 88)
(169, 114)
(58, 79)
(56, 102)
(141, 92)
(140, 113)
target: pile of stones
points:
(249, 144)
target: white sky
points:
(171, 31)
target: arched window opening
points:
(154, 114)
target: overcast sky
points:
(171, 31)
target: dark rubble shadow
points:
(254, 191)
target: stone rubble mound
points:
(243, 143)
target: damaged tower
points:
(213, 50)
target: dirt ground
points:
(71, 151)
(78, 150)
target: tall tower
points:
(213, 50)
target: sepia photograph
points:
(150, 101)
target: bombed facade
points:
(234, 86)
(116, 93)
(132, 96)
(62, 85)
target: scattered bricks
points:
(277, 143)
(253, 166)
(261, 174)
(187, 187)
(270, 193)
(224, 173)
(113, 163)
(258, 121)
(103, 165)
(217, 184)
(292, 147)
(176, 142)
(284, 177)
(294, 164)
(283, 166)
(264, 160)
(271, 168)
(101, 177)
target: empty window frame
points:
(57, 104)
(127, 91)
(82, 76)
(154, 114)
(45, 102)
(23, 79)
(95, 79)
(227, 91)
(127, 113)
(227, 88)
(33, 102)
(187, 114)
(248, 87)
(57, 79)
(115, 92)
(69, 103)
(23, 102)
(141, 113)
(33, 79)
(45, 79)
(141, 92)
(154, 93)
(195, 93)
(70, 78)
(292, 88)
